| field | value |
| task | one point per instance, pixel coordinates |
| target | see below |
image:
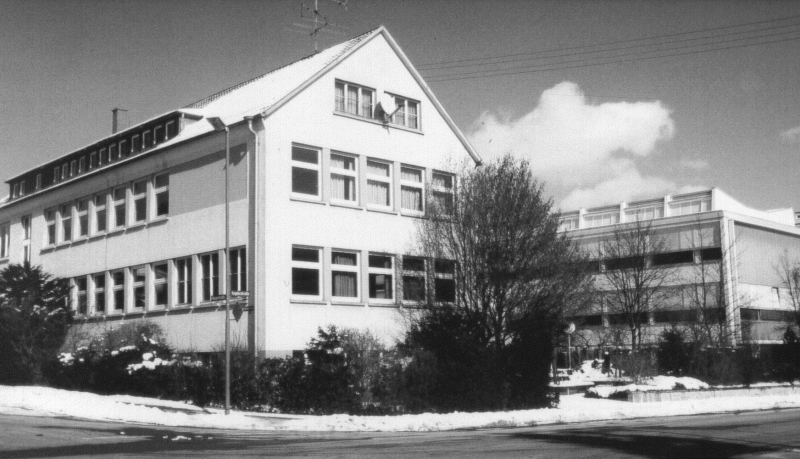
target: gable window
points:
(411, 189)
(103, 156)
(238, 264)
(118, 289)
(140, 201)
(305, 171)
(38, 184)
(380, 277)
(4, 240)
(136, 144)
(306, 268)
(444, 284)
(92, 160)
(119, 207)
(66, 222)
(413, 279)
(56, 174)
(344, 274)
(354, 99)
(343, 178)
(99, 220)
(80, 286)
(407, 113)
(209, 267)
(379, 184)
(184, 268)
(83, 217)
(99, 292)
(161, 192)
(50, 219)
(160, 285)
(443, 192)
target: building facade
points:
(332, 161)
(719, 258)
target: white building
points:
(325, 189)
(707, 227)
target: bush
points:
(673, 353)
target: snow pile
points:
(43, 401)
(651, 384)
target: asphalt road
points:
(765, 434)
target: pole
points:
(227, 283)
(569, 351)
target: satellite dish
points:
(571, 328)
(385, 108)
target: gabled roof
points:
(264, 94)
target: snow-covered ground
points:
(44, 401)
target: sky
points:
(608, 100)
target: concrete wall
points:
(676, 395)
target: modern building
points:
(332, 161)
(710, 243)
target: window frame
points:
(388, 180)
(316, 167)
(56, 174)
(119, 207)
(81, 296)
(342, 105)
(158, 193)
(213, 264)
(354, 270)
(238, 268)
(417, 274)
(99, 293)
(96, 208)
(136, 144)
(381, 271)
(93, 160)
(5, 240)
(73, 168)
(82, 218)
(160, 282)
(139, 285)
(65, 229)
(38, 183)
(139, 198)
(51, 222)
(103, 156)
(348, 174)
(307, 265)
(25, 223)
(404, 110)
(410, 184)
(444, 275)
(184, 268)
(116, 288)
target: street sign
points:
(237, 293)
(237, 311)
(218, 298)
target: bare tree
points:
(788, 269)
(633, 287)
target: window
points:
(672, 258)
(50, 219)
(65, 212)
(407, 113)
(306, 268)
(99, 292)
(379, 184)
(56, 174)
(381, 272)
(643, 213)
(160, 284)
(140, 201)
(238, 265)
(158, 133)
(343, 178)
(5, 236)
(80, 286)
(444, 283)
(73, 168)
(38, 184)
(209, 266)
(119, 208)
(139, 277)
(161, 192)
(344, 274)
(184, 268)
(413, 279)
(81, 164)
(353, 99)
(689, 207)
(15, 190)
(92, 160)
(411, 189)
(64, 171)
(147, 140)
(83, 218)
(124, 149)
(442, 192)
(22, 188)
(118, 289)
(103, 156)
(593, 221)
(113, 152)
(305, 171)
(26, 237)
(568, 224)
(172, 129)
(136, 144)
(674, 317)
(99, 213)
(711, 254)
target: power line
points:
(642, 47)
(786, 18)
(555, 67)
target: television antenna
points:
(314, 22)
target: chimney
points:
(115, 120)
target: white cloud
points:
(694, 164)
(587, 152)
(791, 135)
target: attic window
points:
(136, 144)
(159, 134)
(56, 174)
(38, 181)
(172, 129)
(148, 139)
(354, 99)
(406, 112)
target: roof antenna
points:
(114, 121)
(320, 22)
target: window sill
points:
(346, 205)
(115, 231)
(412, 213)
(383, 210)
(136, 226)
(4, 260)
(97, 236)
(373, 304)
(376, 122)
(310, 200)
(347, 303)
(158, 221)
(311, 301)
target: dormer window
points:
(354, 100)
(147, 138)
(38, 182)
(15, 191)
(172, 129)
(103, 156)
(56, 174)
(136, 144)
(81, 164)
(73, 168)
(93, 160)
(113, 152)
(124, 149)
(159, 134)
(22, 188)
(64, 171)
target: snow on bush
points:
(656, 383)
